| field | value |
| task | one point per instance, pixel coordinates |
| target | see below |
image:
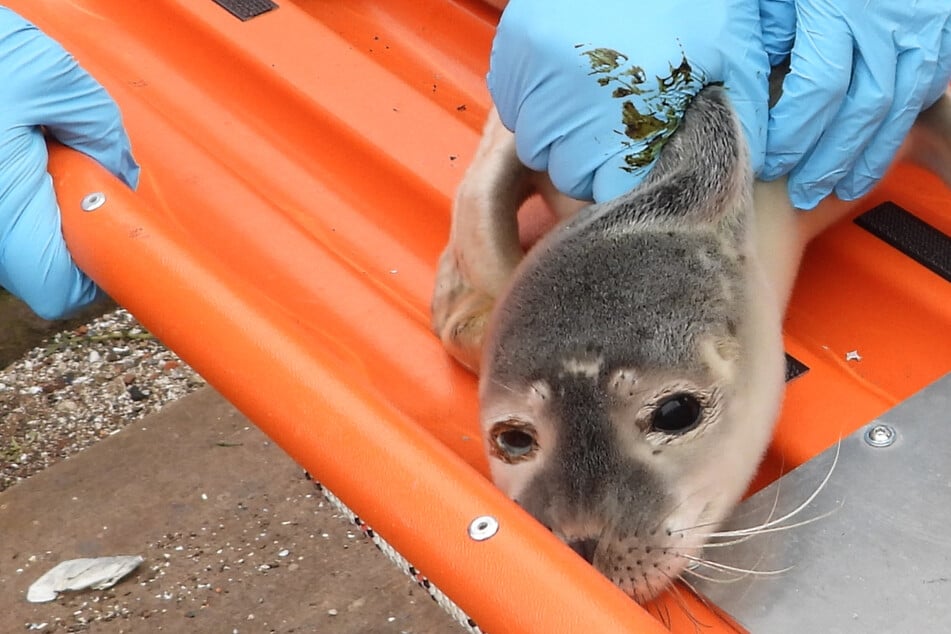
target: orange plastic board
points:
(298, 170)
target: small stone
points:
(53, 386)
(332, 612)
(94, 356)
(67, 405)
(137, 394)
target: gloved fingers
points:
(44, 85)
(912, 82)
(778, 20)
(615, 178)
(520, 42)
(753, 117)
(570, 159)
(749, 95)
(942, 76)
(866, 106)
(34, 262)
(813, 90)
(583, 65)
(554, 135)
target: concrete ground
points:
(235, 538)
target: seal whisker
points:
(770, 524)
(665, 617)
(745, 571)
(698, 575)
(732, 542)
(682, 604)
(706, 603)
(699, 596)
(697, 491)
(747, 533)
(642, 341)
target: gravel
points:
(80, 386)
(89, 382)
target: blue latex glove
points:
(578, 82)
(860, 73)
(42, 85)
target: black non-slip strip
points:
(912, 236)
(246, 9)
(794, 367)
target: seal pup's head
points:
(633, 369)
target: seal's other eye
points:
(676, 414)
(513, 441)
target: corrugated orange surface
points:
(297, 176)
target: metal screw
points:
(93, 201)
(880, 435)
(483, 527)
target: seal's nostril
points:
(585, 548)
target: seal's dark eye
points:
(514, 441)
(676, 414)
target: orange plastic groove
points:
(317, 407)
(298, 170)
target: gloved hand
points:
(592, 89)
(861, 72)
(42, 85)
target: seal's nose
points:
(585, 548)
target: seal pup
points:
(633, 367)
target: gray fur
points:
(604, 282)
(633, 288)
(674, 291)
(591, 477)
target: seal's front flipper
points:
(483, 247)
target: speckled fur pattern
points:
(675, 289)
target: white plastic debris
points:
(98, 573)
(853, 355)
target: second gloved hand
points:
(860, 74)
(592, 89)
(42, 85)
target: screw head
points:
(880, 435)
(93, 201)
(483, 527)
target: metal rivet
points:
(93, 201)
(880, 435)
(483, 527)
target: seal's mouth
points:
(644, 557)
